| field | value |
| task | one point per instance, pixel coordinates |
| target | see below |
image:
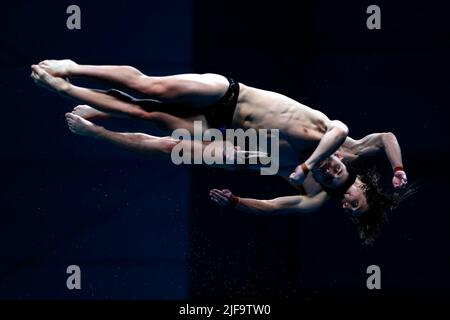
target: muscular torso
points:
(300, 127)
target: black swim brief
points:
(220, 114)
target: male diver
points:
(306, 135)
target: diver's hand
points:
(399, 180)
(231, 153)
(223, 198)
(299, 175)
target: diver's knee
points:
(156, 87)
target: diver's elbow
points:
(269, 206)
(341, 129)
(388, 135)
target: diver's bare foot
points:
(89, 113)
(58, 68)
(80, 126)
(44, 79)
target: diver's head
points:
(334, 175)
(340, 180)
(354, 200)
(360, 194)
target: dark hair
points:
(379, 202)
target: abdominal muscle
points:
(300, 127)
(262, 109)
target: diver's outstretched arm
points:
(281, 205)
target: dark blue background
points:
(67, 200)
(141, 228)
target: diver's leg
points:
(105, 103)
(102, 101)
(195, 90)
(165, 122)
(138, 142)
(144, 143)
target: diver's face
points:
(332, 173)
(354, 200)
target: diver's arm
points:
(333, 138)
(281, 205)
(376, 143)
